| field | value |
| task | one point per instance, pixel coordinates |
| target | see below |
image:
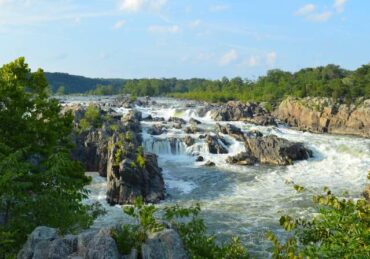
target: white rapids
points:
(245, 200)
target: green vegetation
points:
(103, 90)
(39, 182)
(78, 84)
(187, 221)
(341, 229)
(91, 118)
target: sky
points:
(184, 38)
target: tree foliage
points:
(39, 182)
(341, 229)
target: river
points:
(242, 200)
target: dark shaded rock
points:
(199, 159)
(209, 164)
(156, 129)
(276, 151)
(231, 130)
(189, 141)
(244, 158)
(177, 120)
(165, 244)
(194, 121)
(216, 145)
(192, 129)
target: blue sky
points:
(178, 38)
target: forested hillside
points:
(63, 83)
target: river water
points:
(243, 200)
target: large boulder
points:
(166, 244)
(156, 129)
(276, 151)
(322, 115)
(45, 243)
(231, 130)
(243, 158)
(238, 111)
(216, 145)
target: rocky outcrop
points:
(216, 145)
(165, 244)
(156, 129)
(231, 130)
(238, 111)
(132, 173)
(189, 141)
(45, 243)
(270, 150)
(322, 115)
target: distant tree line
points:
(325, 81)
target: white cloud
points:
(229, 57)
(219, 8)
(305, 10)
(164, 29)
(138, 5)
(253, 61)
(320, 17)
(119, 24)
(195, 23)
(271, 58)
(339, 5)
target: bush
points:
(341, 229)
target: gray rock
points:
(166, 244)
(216, 145)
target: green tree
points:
(61, 90)
(39, 182)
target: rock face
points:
(156, 129)
(237, 111)
(322, 115)
(132, 173)
(270, 150)
(45, 243)
(165, 244)
(231, 130)
(216, 145)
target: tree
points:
(39, 182)
(61, 90)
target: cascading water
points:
(245, 200)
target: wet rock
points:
(189, 141)
(322, 115)
(199, 159)
(276, 151)
(216, 145)
(210, 164)
(127, 179)
(165, 244)
(194, 121)
(244, 158)
(192, 129)
(231, 130)
(177, 120)
(177, 125)
(237, 111)
(156, 129)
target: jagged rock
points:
(322, 115)
(128, 180)
(194, 121)
(199, 159)
(276, 151)
(45, 243)
(215, 145)
(189, 141)
(236, 111)
(177, 120)
(209, 164)
(231, 130)
(244, 158)
(166, 244)
(156, 129)
(192, 129)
